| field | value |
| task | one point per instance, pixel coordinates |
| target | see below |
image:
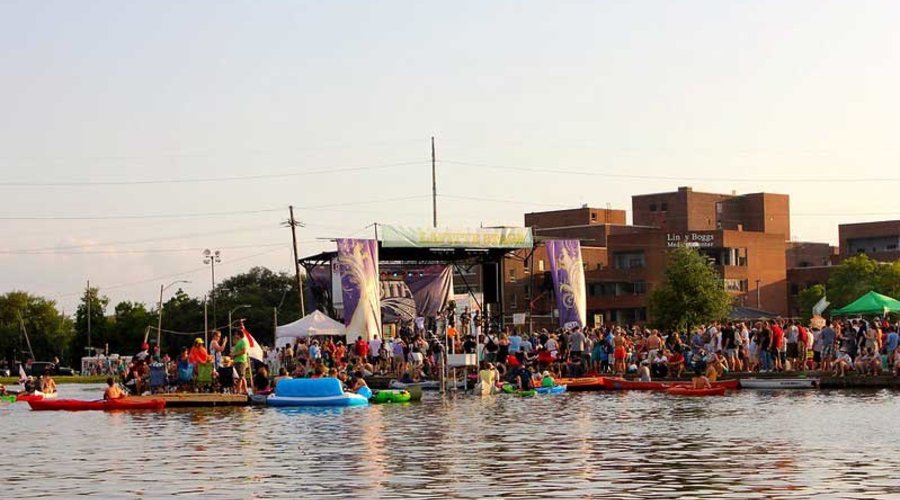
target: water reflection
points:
(641, 445)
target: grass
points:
(96, 379)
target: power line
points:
(664, 177)
(199, 180)
(140, 252)
(202, 214)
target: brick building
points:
(744, 236)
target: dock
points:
(197, 399)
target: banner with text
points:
(358, 264)
(426, 237)
(567, 271)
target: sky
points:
(133, 135)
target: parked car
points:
(39, 368)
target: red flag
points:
(253, 348)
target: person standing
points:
(217, 348)
(240, 358)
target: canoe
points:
(390, 396)
(582, 384)
(731, 385)
(687, 391)
(620, 384)
(29, 397)
(556, 389)
(100, 405)
(779, 383)
(325, 391)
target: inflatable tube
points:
(393, 396)
(365, 392)
(556, 389)
(81, 405)
(8, 399)
(314, 392)
(687, 391)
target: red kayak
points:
(687, 391)
(620, 384)
(582, 383)
(110, 405)
(29, 398)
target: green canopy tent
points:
(870, 303)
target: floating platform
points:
(197, 399)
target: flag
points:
(22, 377)
(820, 306)
(253, 348)
(567, 271)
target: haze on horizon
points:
(246, 107)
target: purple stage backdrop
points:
(567, 271)
(358, 264)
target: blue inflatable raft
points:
(556, 389)
(313, 392)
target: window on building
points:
(653, 207)
(664, 207)
(593, 216)
(640, 287)
(514, 303)
(795, 289)
(512, 275)
(540, 265)
(735, 285)
(629, 260)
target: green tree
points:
(860, 274)
(807, 298)
(51, 333)
(181, 313)
(263, 290)
(129, 322)
(692, 293)
(99, 323)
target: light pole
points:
(211, 257)
(160, 311)
(232, 312)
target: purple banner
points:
(358, 265)
(567, 271)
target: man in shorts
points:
(828, 337)
(240, 358)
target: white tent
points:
(313, 324)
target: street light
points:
(160, 311)
(229, 316)
(212, 257)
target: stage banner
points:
(358, 265)
(426, 237)
(407, 292)
(567, 271)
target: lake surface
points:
(631, 445)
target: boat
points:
(688, 391)
(390, 396)
(509, 389)
(35, 396)
(556, 389)
(779, 383)
(621, 384)
(101, 405)
(582, 384)
(731, 385)
(11, 398)
(313, 392)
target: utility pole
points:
(293, 223)
(433, 185)
(88, 296)
(212, 257)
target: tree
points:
(860, 274)
(51, 333)
(129, 321)
(691, 294)
(99, 323)
(807, 298)
(263, 290)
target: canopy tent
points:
(314, 324)
(870, 303)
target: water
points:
(640, 445)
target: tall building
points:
(744, 236)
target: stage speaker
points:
(490, 282)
